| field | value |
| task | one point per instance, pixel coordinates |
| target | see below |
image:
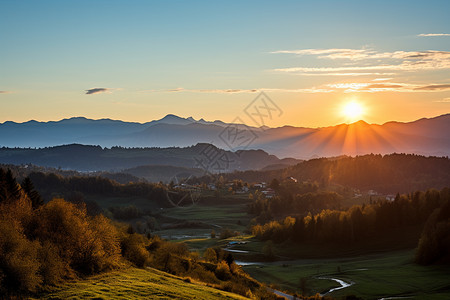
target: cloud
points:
(214, 91)
(240, 91)
(329, 53)
(434, 87)
(445, 100)
(396, 61)
(98, 91)
(347, 87)
(341, 73)
(332, 70)
(382, 79)
(5, 92)
(433, 34)
(388, 87)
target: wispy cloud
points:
(5, 92)
(434, 87)
(433, 34)
(382, 79)
(214, 91)
(445, 100)
(239, 91)
(384, 61)
(338, 74)
(388, 87)
(99, 90)
(329, 53)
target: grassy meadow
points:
(391, 274)
(134, 283)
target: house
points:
(390, 197)
(291, 179)
(269, 193)
(242, 190)
(260, 185)
(372, 193)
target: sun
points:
(353, 111)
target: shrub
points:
(52, 267)
(19, 263)
(133, 249)
(223, 271)
(210, 255)
(86, 244)
(227, 233)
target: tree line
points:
(294, 199)
(363, 222)
(387, 174)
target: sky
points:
(140, 60)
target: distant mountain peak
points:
(360, 123)
(171, 116)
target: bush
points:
(133, 249)
(227, 233)
(210, 255)
(223, 271)
(19, 264)
(52, 267)
(88, 245)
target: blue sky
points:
(205, 58)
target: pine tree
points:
(28, 188)
(12, 187)
(3, 191)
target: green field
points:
(392, 274)
(133, 283)
(217, 217)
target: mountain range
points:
(424, 136)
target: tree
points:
(28, 188)
(274, 184)
(9, 189)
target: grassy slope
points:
(133, 283)
(375, 276)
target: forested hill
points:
(95, 158)
(386, 174)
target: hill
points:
(134, 283)
(390, 173)
(195, 160)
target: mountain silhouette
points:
(424, 136)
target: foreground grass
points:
(392, 274)
(133, 283)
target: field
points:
(226, 213)
(375, 276)
(133, 283)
